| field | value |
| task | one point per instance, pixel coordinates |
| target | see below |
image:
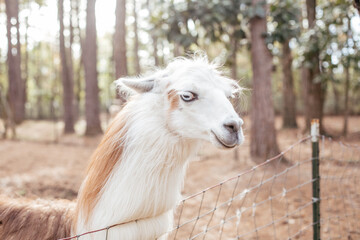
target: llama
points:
(136, 174)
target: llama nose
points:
(233, 125)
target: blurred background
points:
(58, 59)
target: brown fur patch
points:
(174, 99)
(35, 219)
(101, 165)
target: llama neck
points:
(148, 175)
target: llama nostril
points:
(232, 126)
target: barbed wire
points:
(273, 200)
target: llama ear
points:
(237, 90)
(129, 86)
(139, 85)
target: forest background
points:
(58, 59)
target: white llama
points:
(136, 174)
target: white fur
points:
(145, 184)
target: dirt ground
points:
(268, 202)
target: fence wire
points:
(274, 200)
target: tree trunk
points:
(346, 100)
(6, 115)
(289, 99)
(78, 79)
(336, 100)
(336, 109)
(313, 88)
(67, 76)
(234, 42)
(347, 82)
(70, 58)
(2, 67)
(176, 50)
(16, 85)
(136, 43)
(155, 50)
(53, 88)
(26, 60)
(120, 40)
(92, 110)
(314, 98)
(38, 81)
(263, 135)
(357, 5)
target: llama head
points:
(196, 100)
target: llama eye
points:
(188, 96)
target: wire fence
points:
(274, 200)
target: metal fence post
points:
(316, 178)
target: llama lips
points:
(225, 143)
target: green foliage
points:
(25, 3)
(331, 36)
(212, 25)
(216, 18)
(336, 44)
(251, 11)
(285, 17)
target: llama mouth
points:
(222, 142)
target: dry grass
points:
(39, 168)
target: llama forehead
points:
(199, 80)
(200, 87)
